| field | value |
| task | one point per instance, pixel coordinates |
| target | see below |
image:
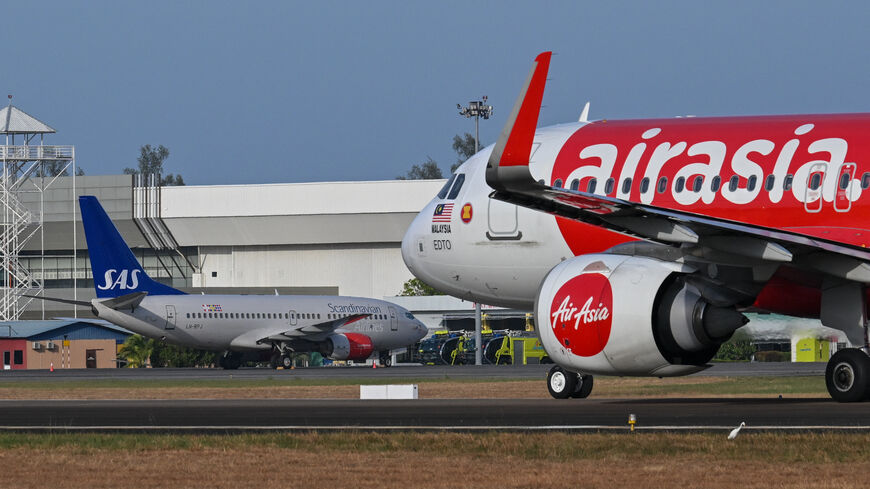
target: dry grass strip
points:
(500, 460)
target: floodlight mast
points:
(477, 109)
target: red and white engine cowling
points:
(627, 315)
(348, 346)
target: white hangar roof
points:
(294, 213)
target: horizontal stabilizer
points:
(128, 301)
(56, 299)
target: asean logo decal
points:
(466, 213)
(580, 314)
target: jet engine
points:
(347, 346)
(627, 315)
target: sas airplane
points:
(640, 243)
(341, 328)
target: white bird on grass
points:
(736, 431)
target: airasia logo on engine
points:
(580, 314)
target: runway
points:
(199, 415)
(738, 369)
(428, 414)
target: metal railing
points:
(28, 153)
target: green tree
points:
(426, 171)
(151, 162)
(735, 349)
(415, 286)
(137, 350)
(167, 355)
(464, 147)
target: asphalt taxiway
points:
(430, 414)
(198, 415)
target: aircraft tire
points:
(847, 375)
(561, 383)
(286, 361)
(583, 388)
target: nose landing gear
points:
(563, 384)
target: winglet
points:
(584, 116)
(514, 146)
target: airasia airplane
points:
(640, 243)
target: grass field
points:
(443, 460)
(605, 387)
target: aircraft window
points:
(409, 315)
(844, 181)
(644, 185)
(258, 315)
(558, 183)
(865, 180)
(663, 184)
(541, 181)
(770, 182)
(786, 184)
(318, 315)
(460, 179)
(714, 185)
(608, 186)
(575, 184)
(188, 315)
(626, 185)
(750, 185)
(732, 184)
(590, 187)
(443, 192)
(209, 315)
(697, 183)
(679, 184)
(815, 181)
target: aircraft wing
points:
(718, 240)
(252, 339)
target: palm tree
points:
(137, 350)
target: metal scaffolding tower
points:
(28, 166)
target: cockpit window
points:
(443, 192)
(457, 185)
(409, 315)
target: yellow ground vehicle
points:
(520, 348)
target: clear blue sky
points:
(268, 92)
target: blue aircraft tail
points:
(116, 271)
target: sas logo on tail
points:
(120, 282)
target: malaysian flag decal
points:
(442, 213)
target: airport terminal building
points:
(302, 238)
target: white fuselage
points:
(501, 255)
(241, 322)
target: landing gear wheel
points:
(561, 383)
(286, 361)
(386, 361)
(583, 388)
(847, 375)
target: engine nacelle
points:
(348, 346)
(626, 315)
